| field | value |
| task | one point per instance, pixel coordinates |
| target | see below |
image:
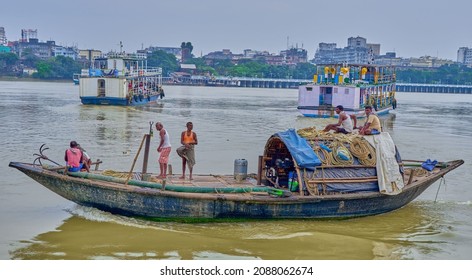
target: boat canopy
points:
(300, 150)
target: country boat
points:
(120, 79)
(353, 86)
(302, 174)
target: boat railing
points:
(152, 71)
(368, 80)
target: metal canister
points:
(240, 169)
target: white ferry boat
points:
(352, 86)
(120, 79)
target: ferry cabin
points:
(353, 87)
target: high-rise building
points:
(3, 37)
(464, 56)
(357, 51)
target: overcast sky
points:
(411, 28)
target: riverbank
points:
(29, 79)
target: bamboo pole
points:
(135, 158)
(344, 180)
(259, 170)
(299, 177)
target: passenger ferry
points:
(353, 86)
(120, 79)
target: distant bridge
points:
(434, 88)
(236, 82)
(294, 83)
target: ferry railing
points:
(153, 71)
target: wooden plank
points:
(344, 180)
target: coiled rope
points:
(358, 147)
(363, 151)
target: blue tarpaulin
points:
(300, 150)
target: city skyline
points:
(409, 28)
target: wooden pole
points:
(299, 178)
(412, 174)
(146, 153)
(259, 171)
(134, 161)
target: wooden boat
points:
(353, 86)
(287, 185)
(120, 79)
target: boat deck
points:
(198, 180)
(212, 181)
(411, 175)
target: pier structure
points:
(289, 83)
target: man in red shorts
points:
(164, 149)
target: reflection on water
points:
(92, 234)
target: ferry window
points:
(309, 88)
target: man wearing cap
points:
(73, 157)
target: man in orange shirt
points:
(188, 139)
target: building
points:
(357, 51)
(89, 54)
(294, 56)
(390, 58)
(428, 62)
(3, 37)
(43, 50)
(71, 52)
(464, 56)
(27, 34)
(224, 54)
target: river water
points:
(231, 123)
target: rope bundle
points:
(363, 151)
(358, 147)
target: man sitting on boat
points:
(372, 124)
(73, 157)
(86, 160)
(344, 124)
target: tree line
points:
(61, 67)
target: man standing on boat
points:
(188, 139)
(164, 149)
(372, 124)
(344, 124)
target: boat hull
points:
(116, 101)
(156, 203)
(322, 112)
